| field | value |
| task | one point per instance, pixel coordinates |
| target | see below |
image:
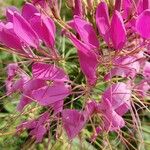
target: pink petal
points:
(42, 3)
(43, 118)
(86, 31)
(146, 4)
(142, 88)
(102, 20)
(28, 11)
(90, 108)
(78, 9)
(37, 24)
(27, 96)
(33, 84)
(48, 95)
(73, 122)
(121, 110)
(57, 107)
(118, 4)
(113, 121)
(86, 54)
(9, 39)
(38, 133)
(12, 69)
(24, 31)
(117, 94)
(48, 31)
(126, 66)
(146, 71)
(127, 8)
(45, 28)
(23, 102)
(48, 72)
(10, 13)
(142, 24)
(118, 31)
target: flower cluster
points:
(114, 39)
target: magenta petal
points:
(73, 122)
(118, 4)
(88, 60)
(113, 121)
(86, 31)
(37, 24)
(45, 28)
(42, 3)
(142, 88)
(24, 31)
(12, 70)
(38, 133)
(78, 8)
(28, 11)
(118, 31)
(48, 31)
(43, 118)
(102, 20)
(117, 94)
(14, 86)
(126, 66)
(121, 110)
(10, 13)
(90, 108)
(28, 87)
(146, 71)
(142, 24)
(33, 84)
(146, 4)
(48, 72)
(57, 107)
(9, 39)
(127, 8)
(48, 95)
(23, 102)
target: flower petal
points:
(113, 121)
(86, 31)
(142, 24)
(28, 11)
(48, 72)
(48, 95)
(73, 122)
(102, 20)
(9, 39)
(117, 31)
(24, 31)
(88, 60)
(117, 94)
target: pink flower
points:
(73, 122)
(88, 60)
(108, 30)
(37, 127)
(115, 103)
(28, 29)
(142, 24)
(125, 66)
